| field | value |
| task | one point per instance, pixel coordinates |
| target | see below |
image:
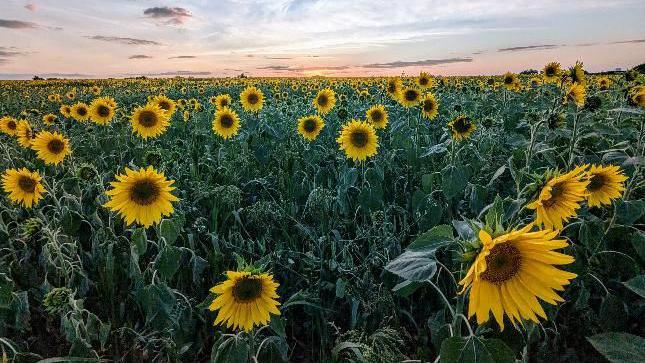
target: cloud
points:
(31, 7)
(630, 41)
(171, 16)
(286, 68)
(183, 57)
(10, 52)
(128, 41)
(139, 56)
(278, 58)
(528, 47)
(180, 73)
(17, 24)
(427, 62)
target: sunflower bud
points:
(57, 300)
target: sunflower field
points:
(404, 219)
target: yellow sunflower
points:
(223, 100)
(429, 106)
(245, 299)
(577, 74)
(394, 87)
(310, 126)
(325, 100)
(252, 99)
(49, 119)
(604, 83)
(9, 125)
(80, 112)
(560, 197)
(551, 72)
(511, 81)
(25, 133)
(165, 104)
(66, 111)
(638, 98)
(101, 110)
(143, 196)
(409, 97)
(512, 271)
(149, 121)
(605, 184)
(51, 147)
(575, 93)
(23, 186)
(461, 127)
(377, 116)
(358, 139)
(96, 90)
(226, 122)
(424, 81)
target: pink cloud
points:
(31, 7)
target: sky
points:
(219, 38)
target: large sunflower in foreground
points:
(394, 87)
(102, 110)
(25, 133)
(310, 126)
(9, 125)
(377, 116)
(23, 186)
(166, 104)
(429, 106)
(143, 196)
(606, 183)
(560, 197)
(51, 147)
(461, 127)
(252, 99)
(358, 139)
(226, 122)
(575, 93)
(410, 97)
(552, 72)
(149, 121)
(245, 299)
(325, 100)
(512, 271)
(80, 112)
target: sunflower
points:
(377, 116)
(424, 81)
(551, 72)
(96, 90)
(50, 147)
(245, 299)
(358, 139)
(577, 74)
(149, 121)
(511, 81)
(49, 119)
(576, 93)
(143, 196)
(223, 100)
(512, 271)
(410, 97)
(25, 133)
(66, 111)
(461, 127)
(23, 186)
(252, 99)
(393, 88)
(604, 83)
(605, 184)
(226, 122)
(80, 112)
(560, 197)
(638, 98)
(164, 103)
(429, 106)
(325, 101)
(101, 110)
(310, 126)
(9, 125)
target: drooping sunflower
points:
(101, 110)
(9, 125)
(252, 99)
(25, 133)
(429, 106)
(377, 116)
(23, 186)
(310, 126)
(512, 271)
(80, 112)
(577, 74)
(325, 100)
(165, 104)
(143, 196)
(606, 183)
(246, 299)
(410, 97)
(49, 119)
(424, 81)
(149, 121)
(575, 93)
(551, 72)
(226, 122)
(358, 139)
(223, 100)
(394, 87)
(560, 197)
(51, 147)
(66, 111)
(604, 83)
(461, 127)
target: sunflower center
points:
(12, 125)
(103, 111)
(376, 116)
(428, 106)
(148, 119)
(247, 289)
(508, 80)
(310, 125)
(223, 102)
(423, 81)
(55, 146)
(502, 263)
(556, 191)
(596, 182)
(550, 71)
(226, 121)
(144, 192)
(27, 184)
(323, 100)
(82, 111)
(359, 138)
(462, 125)
(391, 87)
(253, 98)
(164, 105)
(410, 95)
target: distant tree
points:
(242, 75)
(529, 71)
(37, 78)
(640, 68)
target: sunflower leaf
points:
(619, 347)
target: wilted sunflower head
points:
(87, 172)
(57, 299)
(556, 120)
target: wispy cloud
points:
(171, 16)
(528, 47)
(180, 73)
(183, 57)
(630, 41)
(122, 40)
(421, 63)
(139, 56)
(17, 24)
(31, 7)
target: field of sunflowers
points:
(406, 219)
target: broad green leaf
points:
(476, 350)
(167, 262)
(432, 239)
(454, 180)
(414, 265)
(169, 231)
(406, 288)
(140, 240)
(637, 285)
(619, 347)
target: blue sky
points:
(99, 38)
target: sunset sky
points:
(121, 38)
